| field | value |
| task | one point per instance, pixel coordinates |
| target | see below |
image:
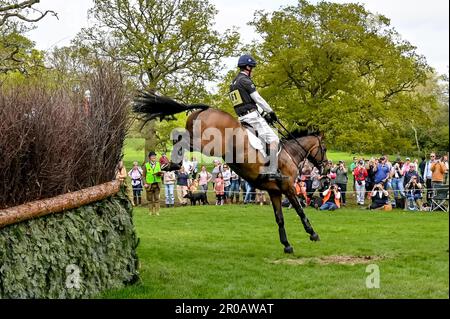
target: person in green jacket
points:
(152, 178)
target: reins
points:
(300, 165)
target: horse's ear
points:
(321, 135)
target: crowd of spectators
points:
(375, 183)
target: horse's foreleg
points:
(276, 204)
(306, 224)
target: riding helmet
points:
(245, 60)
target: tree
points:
(17, 53)
(345, 71)
(167, 46)
(24, 11)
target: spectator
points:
(411, 173)
(380, 197)
(194, 163)
(331, 198)
(325, 180)
(164, 161)
(370, 180)
(193, 186)
(187, 165)
(414, 193)
(341, 180)
(398, 181)
(152, 178)
(204, 177)
(437, 172)
(301, 190)
(445, 161)
(226, 174)
(422, 166)
(360, 174)
(405, 166)
(382, 171)
(182, 185)
(169, 188)
(121, 173)
(260, 197)
(235, 187)
(249, 193)
(219, 188)
(353, 165)
(427, 176)
(306, 178)
(315, 185)
(217, 169)
(136, 183)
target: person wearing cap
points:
(152, 178)
(246, 102)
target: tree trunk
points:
(149, 134)
(57, 204)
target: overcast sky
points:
(425, 24)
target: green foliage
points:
(98, 238)
(167, 46)
(345, 71)
(17, 53)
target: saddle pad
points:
(255, 142)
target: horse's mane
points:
(297, 133)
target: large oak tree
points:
(341, 69)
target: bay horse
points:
(293, 152)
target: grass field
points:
(234, 252)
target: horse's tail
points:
(154, 106)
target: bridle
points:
(319, 150)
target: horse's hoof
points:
(288, 250)
(314, 237)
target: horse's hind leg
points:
(306, 224)
(276, 203)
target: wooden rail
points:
(57, 204)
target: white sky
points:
(425, 24)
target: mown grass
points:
(229, 252)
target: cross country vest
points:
(240, 97)
(149, 177)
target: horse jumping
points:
(293, 152)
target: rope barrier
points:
(390, 191)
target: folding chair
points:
(439, 198)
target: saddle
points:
(255, 141)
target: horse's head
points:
(317, 151)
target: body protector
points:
(244, 97)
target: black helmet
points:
(151, 154)
(245, 60)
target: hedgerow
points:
(75, 254)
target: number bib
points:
(235, 98)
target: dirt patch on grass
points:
(341, 260)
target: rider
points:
(246, 100)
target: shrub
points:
(49, 145)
